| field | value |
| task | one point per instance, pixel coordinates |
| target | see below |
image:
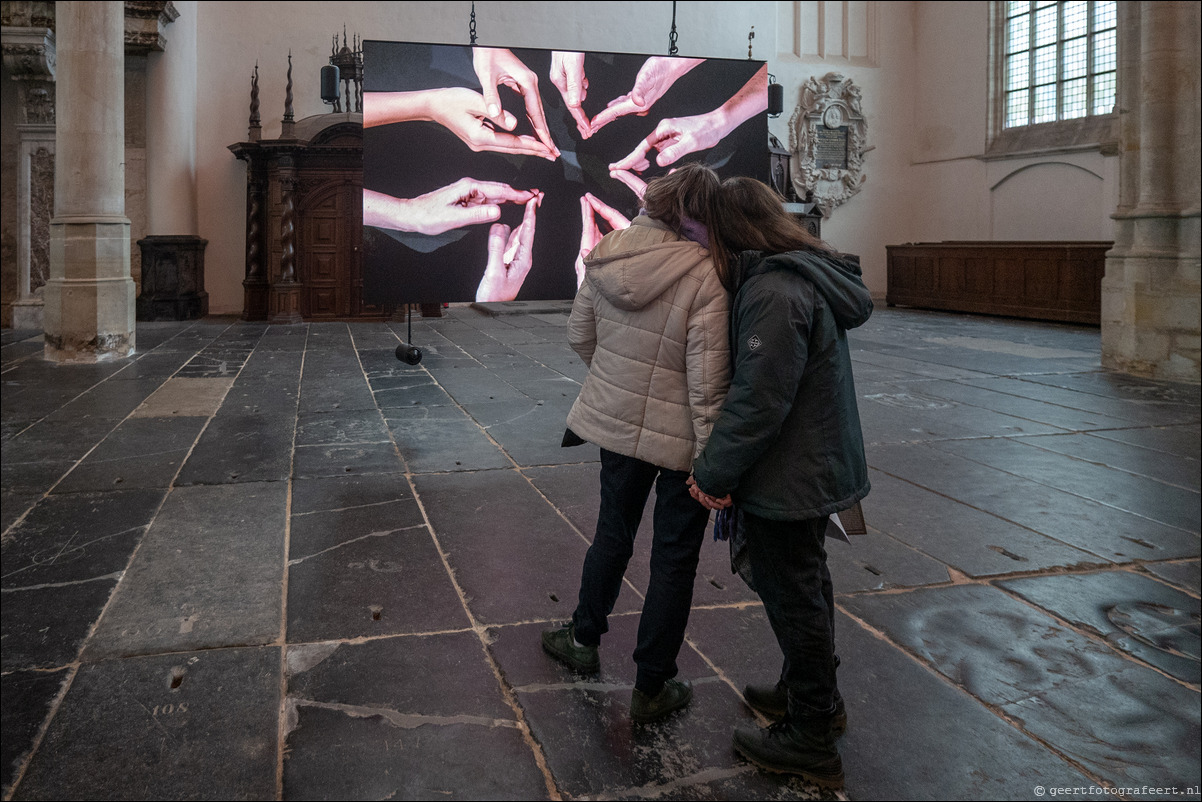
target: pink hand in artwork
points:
(464, 203)
(655, 78)
(592, 207)
(567, 74)
(510, 257)
(498, 66)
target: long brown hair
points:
(692, 191)
(753, 219)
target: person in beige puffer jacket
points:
(651, 322)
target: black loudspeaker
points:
(409, 354)
(776, 99)
(329, 84)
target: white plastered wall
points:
(922, 68)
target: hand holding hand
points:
(590, 233)
(464, 203)
(705, 499)
(567, 74)
(498, 66)
(674, 138)
(655, 78)
(510, 256)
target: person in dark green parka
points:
(787, 450)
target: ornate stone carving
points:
(41, 208)
(29, 53)
(828, 137)
(37, 102)
(23, 14)
(145, 23)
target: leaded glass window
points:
(1061, 59)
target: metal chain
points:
(672, 34)
(471, 26)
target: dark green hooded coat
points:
(787, 444)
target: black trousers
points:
(680, 524)
(788, 565)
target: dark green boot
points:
(806, 748)
(560, 644)
(645, 709)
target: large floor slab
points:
(198, 725)
(208, 575)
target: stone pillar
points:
(90, 295)
(30, 58)
(1150, 295)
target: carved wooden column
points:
(285, 291)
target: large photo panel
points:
(489, 172)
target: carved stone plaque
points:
(827, 135)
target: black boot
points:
(804, 747)
(773, 702)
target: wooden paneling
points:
(1059, 281)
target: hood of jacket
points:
(836, 276)
(634, 266)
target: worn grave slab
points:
(474, 384)
(141, 452)
(152, 365)
(1160, 466)
(44, 626)
(434, 439)
(347, 519)
(995, 647)
(1050, 679)
(1134, 728)
(28, 696)
(76, 537)
(512, 554)
(900, 716)
(1182, 441)
(594, 750)
(1182, 574)
(336, 460)
(1101, 393)
(33, 478)
(346, 492)
(262, 396)
(56, 441)
(876, 562)
(382, 583)
(337, 753)
(405, 391)
(1062, 417)
(971, 541)
(201, 724)
(339, 428)
(1099, 529)
(183, 396)
(263, 452)
(445, 675)
(1148, 498)
(1132, 612)
(13, 506)
(109, 399)
(531, 431)
(208, 574)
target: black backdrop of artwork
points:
(408, 159)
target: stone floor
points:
(274, 562)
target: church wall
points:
(960, 196)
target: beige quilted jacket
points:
(651, 322)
